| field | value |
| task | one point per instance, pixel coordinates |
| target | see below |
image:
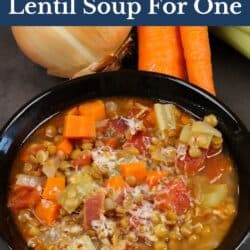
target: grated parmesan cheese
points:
(181, 151)
(104, 227)
(105, 157)
(134, 125)
(140, 189)
(127, 159)
(141, 220)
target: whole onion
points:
(73, 51)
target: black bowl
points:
(135, 84)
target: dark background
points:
(21, 80)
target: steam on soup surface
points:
(124, 173)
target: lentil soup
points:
(124, 174)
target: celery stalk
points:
(72, 196)
(237, 37)
(204, 128)
(165, 116)
(185, 134)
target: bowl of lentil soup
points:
(124, 160)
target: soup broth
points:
(124, 174)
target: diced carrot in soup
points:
(95, 109)
(153, 177)
(66, 146)
(136, 169)
(47, 211)
(76, 127)
(116, 182)
(53, 188)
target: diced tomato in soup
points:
(141, 140)
(174, 197)
(216, 167)
(23, 197)
(119, 125)
(189, 164)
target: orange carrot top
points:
(160, 50)
(195, 42)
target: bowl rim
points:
(205, 94)
(65, 84)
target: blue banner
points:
(125, 12)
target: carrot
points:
(73, 111)
(79, 126)
(153, 177)
(95, 109)
(47, 211)
(160, 50)
(136, 169)
(151, 118)
(197, 54)
(116, 182)
(65, 145)
(53, 188)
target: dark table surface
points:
(20, 80)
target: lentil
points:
(50, 131)
(211, 119)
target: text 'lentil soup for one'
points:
(124, 173)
